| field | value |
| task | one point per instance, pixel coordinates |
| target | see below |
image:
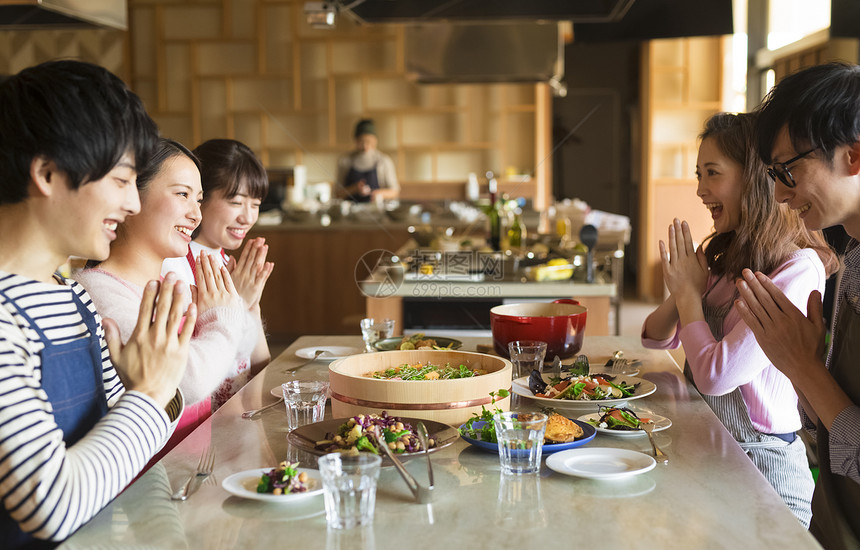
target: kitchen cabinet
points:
(313, 289)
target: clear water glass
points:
(526, 356)
(374, 330)
(305, 401)
(520, 438)
(349, 485)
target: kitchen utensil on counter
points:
(317, 353)
(659, 455)
(254, 412)
(561, 324)
(422, 494)
(204, 470)
(588, 237)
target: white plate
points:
(520, 387)
(331, 352)
(244, 485)
(660, 423)
(600, 463)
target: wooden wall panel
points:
(254, 70)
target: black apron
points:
(369, 177)
(72, 378)
(836, 503)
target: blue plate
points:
(588, 433)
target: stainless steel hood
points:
(400, 11)
(520, 51)
(51, 14)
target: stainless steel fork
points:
(659, 455)
(204, 470)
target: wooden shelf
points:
(230, 77)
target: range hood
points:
(52, 14)
(401, 11)
(521, 51)
(474, 41)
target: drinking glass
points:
(374, 330)
(526, 356)
(349, 485)
(520, 438)
(305, 401)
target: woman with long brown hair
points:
(756, 403)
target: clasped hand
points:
(251, 271)
(214, 285)
(685, 269)
(153, 360)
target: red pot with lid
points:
(561, 324)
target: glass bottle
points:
(494, 215)
(517, 231)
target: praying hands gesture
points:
(793, 342)
(214, 285)
(154, 358)
(685, 271)
(251, 271)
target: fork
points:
(316, 356)
(204, 470)
(648, 427)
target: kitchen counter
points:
(709, 495)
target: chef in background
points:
(366, 173)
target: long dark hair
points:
(768, 232)
(165, 150)
(227, 164)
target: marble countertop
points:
(708, 496)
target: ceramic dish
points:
(520, 387)
(600, 463)
(306, 437)
(392, 344)
(244, 485)
(330, 352)
(660, 423)
(548, 448)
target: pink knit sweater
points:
(737, 361)
(221, 332)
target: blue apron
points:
(72, 378)
(369, 177)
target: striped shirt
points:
(49, 489)
(844, 436)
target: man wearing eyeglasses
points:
(809, 135)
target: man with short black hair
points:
(809, 135)
(80, 414)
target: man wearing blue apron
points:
(80, 414)
(809, 135)
(366, 173)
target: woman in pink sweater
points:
(170, 196)
(756, 403)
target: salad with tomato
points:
(584, 388)
(619, 418)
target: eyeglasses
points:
(779, 171)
